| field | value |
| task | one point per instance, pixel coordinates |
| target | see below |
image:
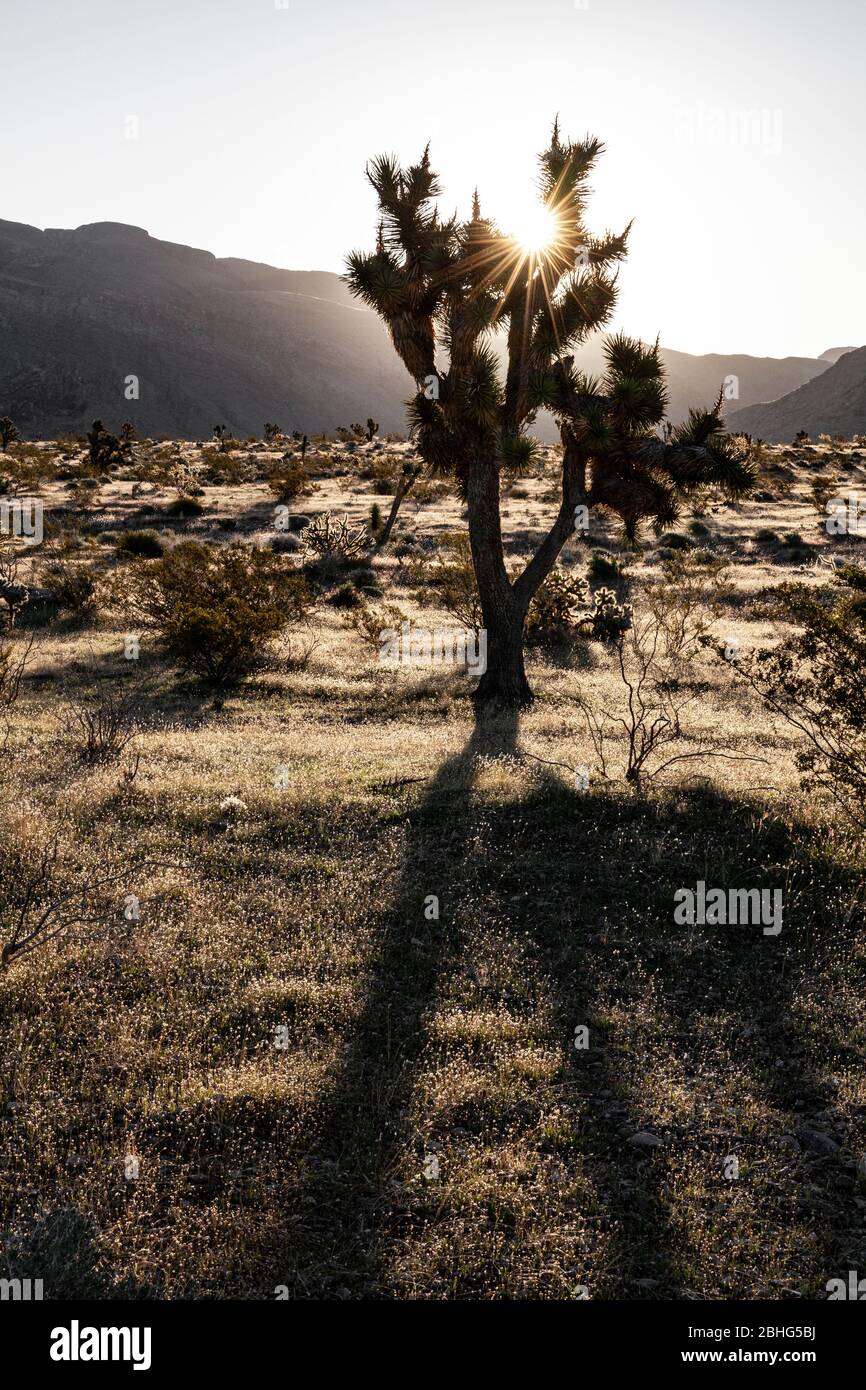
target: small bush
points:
(604, 568)
(73, 587)
(101, 729)
(146, 544)
(288, 479)
(185, 507)
(366, 580)
(347, 596)
(216, 610)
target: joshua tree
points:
(448, 285)
(8, 432)
(272, 432)
(408, 474)
(105, 448)
(372, 429)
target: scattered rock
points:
(644, 1140)
(815, 1142)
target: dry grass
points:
(425, 1127)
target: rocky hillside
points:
(232, 342)
(834, 403)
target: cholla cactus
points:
(325, 536)
(608, 619)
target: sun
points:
(536, 228)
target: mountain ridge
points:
(233, 341)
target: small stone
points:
(816, 1142)
(644, 1140)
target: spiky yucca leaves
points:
(447, 286)
(609, 430)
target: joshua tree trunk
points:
(503, 685)
(504, 605)
(504, 681)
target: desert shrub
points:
(99, 729)
(370, 620)
(822, 487)
(185, 507)
(795, 540)
(73, 585)
(604, 568)
(346, 596)
(366, 580)
(815, 682)
(13, 662)
(453, 576)
(216, 610)
(766, 536)
(285, 543)
(430, 490)
(655, 656)
(227, 470)
(46, 891)
(145, 544)
(288, 479)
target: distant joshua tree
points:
(219, 434)
(272, 432)
(372, 429)
(801, 437)
(105, 448)
(8, 432)
(453, 283)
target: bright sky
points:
(734, 136)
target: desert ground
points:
(318, 1031)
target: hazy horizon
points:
(244, 129)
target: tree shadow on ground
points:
(586, 883)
